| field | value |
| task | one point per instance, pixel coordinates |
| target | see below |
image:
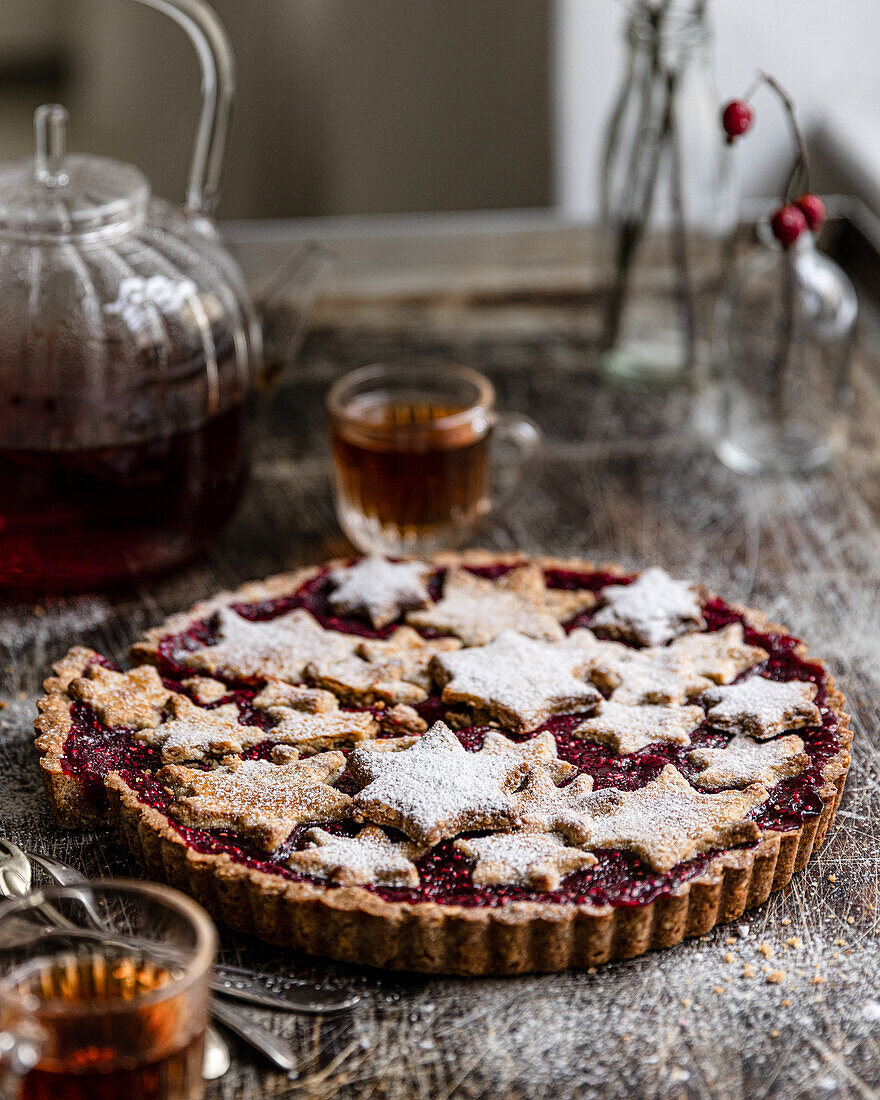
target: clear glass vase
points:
(668, 205)
(787, 326)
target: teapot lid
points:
(57, 196)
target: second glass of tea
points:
(412, 454)
(104, 993)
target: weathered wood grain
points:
(624, 477)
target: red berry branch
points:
(794, 215)
(799, 211)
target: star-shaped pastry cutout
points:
(667, 821)
(378, 589)
(659, 675)
(192, 733)
(436, 788)
(720, 655)
(281, 647)
(630, 728)
(743, 761)
(536, 860)
(476, 609)
(362, 683)
(370, 857)
(312, 700)
(204, 689)
(518, 681)
(652, 610)
(132, 699)
(408, 649)
(315, 732)
(762, 707)
(260, 800)
(541, 749)
(544, 807)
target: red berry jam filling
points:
(618, 878)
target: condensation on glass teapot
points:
(128, 343)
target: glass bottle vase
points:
(787, 325)
(668, 205)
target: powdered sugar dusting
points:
(436, 788)
(518, 680)
(544, 807)
(538, 860)
(301, 728)
(652, 610)
(371, 856)
(379, 589)
(476, 609)
(541, 749)
(667, 821)
(192, 733)
(720, 655)
(280, 647)
(132, 699)
(261, 800)
(660, 675)
(743, 761)
(630, 728)
(762, 707)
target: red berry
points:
(788, 223)
(813, 210)
(736, 118)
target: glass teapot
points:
(129, 345)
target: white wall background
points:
(827, 52)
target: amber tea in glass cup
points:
(412, 454)
(105, 998)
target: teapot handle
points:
(208, 36)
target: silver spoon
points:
(15, 881)
(231, 981)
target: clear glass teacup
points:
(104, 993)
(412, 454)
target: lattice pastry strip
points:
(476, 609)
(259, 799)
(436, 788)
(743, 761)
(369, 857)
(536, 860)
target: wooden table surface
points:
(626, 477)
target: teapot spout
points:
(284, 304)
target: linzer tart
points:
(477, 764)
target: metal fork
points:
(230, 981)
(15, 881)
(263, 1040)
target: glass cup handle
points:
(522, 440)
